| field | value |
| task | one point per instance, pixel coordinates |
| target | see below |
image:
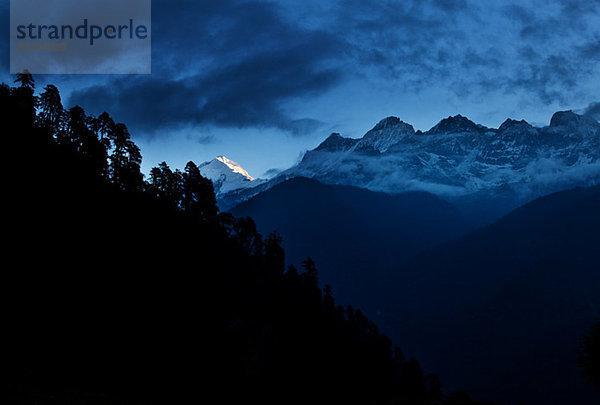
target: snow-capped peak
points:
(227, 175)
(235, 167)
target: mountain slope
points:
(517, 294)
(354, 235)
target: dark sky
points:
(262, 81)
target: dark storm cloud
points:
(231, 64)
(247, 93)
(237, 63)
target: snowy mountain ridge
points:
(458, 157)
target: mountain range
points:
(458, 157)
(484, 171)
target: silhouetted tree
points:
(82, 139)
(118, 159)
(434, 388)
(328, 301)
(77, 129)
(292, 272)
(52, 113)
(198, 196)
(104, 127)
(167, 184)
(311, 274)
(590, 356)
(24, 100)
(125, 159)
(411, 383)
(25, 79)
(274, 253)
(244, 231)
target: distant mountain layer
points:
(356, 236)
(458, 157)
(517, 294)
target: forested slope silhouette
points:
(122, 290)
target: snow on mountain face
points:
(459, 158)
(227, 175)
(384, 135)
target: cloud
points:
(244, 94)
(593, 110)
(302, 126)
(205, 139)
(532, 48)
(591, 50)
(247, 62)
(269, 174)
(546, 78)
(518, 13)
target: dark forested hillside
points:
(119, 290)
(357, 236)
(501, 310)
